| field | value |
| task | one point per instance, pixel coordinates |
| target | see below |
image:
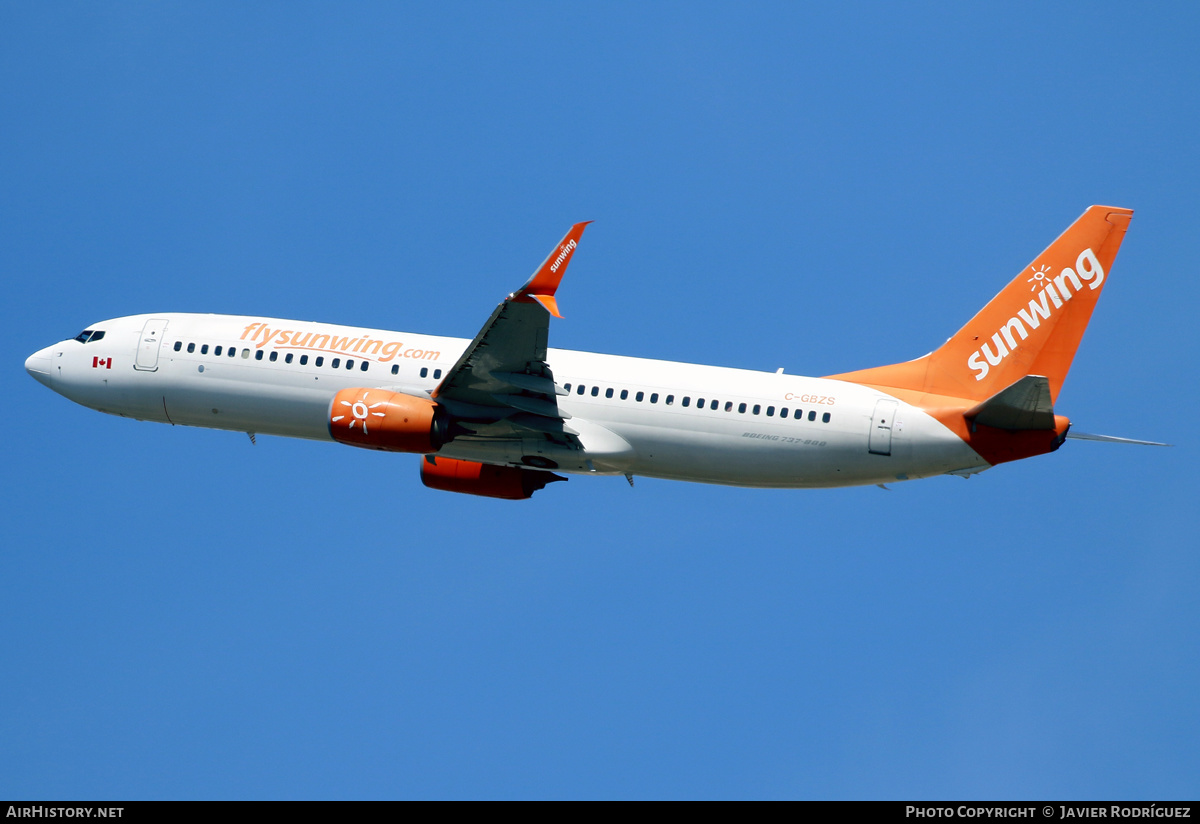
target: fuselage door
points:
(880, 441)
(147, 351)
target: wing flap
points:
(534, 406)
(553, 427)
(530, 383)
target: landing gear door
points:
(148, 344)
(880, 441)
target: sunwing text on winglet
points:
(543, 285)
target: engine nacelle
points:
(508, 482)
(390, 421)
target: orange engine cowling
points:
(391, 421)
(509, 482)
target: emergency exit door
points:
(880, 442)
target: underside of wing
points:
(502, 388)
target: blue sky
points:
(823, 189)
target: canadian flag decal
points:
(105, 363)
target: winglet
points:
(544, 282)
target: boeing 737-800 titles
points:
(495, 415)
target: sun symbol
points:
(361, 412)
(1040, 275)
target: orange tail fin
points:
(1033, 327)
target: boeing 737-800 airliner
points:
(494, 415)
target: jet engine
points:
(385, 420)
(508, 482)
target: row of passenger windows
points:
(686, 401)
(639, 397)
(319, 360)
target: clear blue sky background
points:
(185, 615)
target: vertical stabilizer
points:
(1033, 327)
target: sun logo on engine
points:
(1040, 276)
(362, 413)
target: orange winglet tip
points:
(549, 303)
(544, 282)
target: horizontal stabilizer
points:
(1023, 405)
(1084, 436)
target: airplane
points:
(501, 415)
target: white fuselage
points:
(634, 416)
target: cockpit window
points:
(89, 335)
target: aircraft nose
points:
(38, 365)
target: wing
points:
(501, 387)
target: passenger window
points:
(245, 353)
(624, 394)
(217, 351)
(742, 408)
(178, 343)
(349, 363)
(670, 400)
(287, 358)
(638, 397)
(274, 357)
(798, 414)
(320, 361)
(395, 369)
(232, 351)
(770, 411)
(812, 416)
(756, 409)
(258, 355)
(713, 406)
(595, 391)
(204, 349)
(335, 363)
(579, 390)
(304, 360)
(728, 406)
(424, 371)
(825, 418)
(437, 373)
(567, 387)
(700, 403)
(191, 348)
(363, 368)
(608, 393)
(783, 412)
(654, 397)
(687, 401)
